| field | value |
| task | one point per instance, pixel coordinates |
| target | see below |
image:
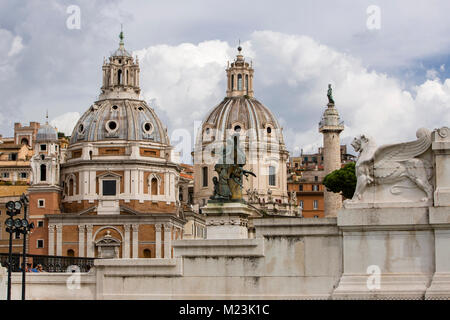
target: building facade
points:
(114, 192)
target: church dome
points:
(242, 113)
(120, 120)
(46, 133)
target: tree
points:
(342, 180)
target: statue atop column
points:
(330, 94)
(230, 170)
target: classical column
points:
(167, 241)
(126, 244)
(51, 240)
(81, 229)
(135, 240)
(89, 242)
(59, 240)
(158, 240)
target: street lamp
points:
(16, 226)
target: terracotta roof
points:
(188, 176)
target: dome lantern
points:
(240, 77)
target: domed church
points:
(260, 135)
(116, 195)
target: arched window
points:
(246, 83)
(43, 172)
(232, 82)
(24, 141)
(147, 253)
(126, 78)
(70, 253)
(71, 187)
(272, 176)
(239, 82)
(119, 77)
(154, 186)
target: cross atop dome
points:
(240, 76)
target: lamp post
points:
(26, 227)
(16, 226)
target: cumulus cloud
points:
(65, 122)
(291, 77)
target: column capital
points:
(58, 227)
(89, 228)
(51, 227)
(135, 227)
(167, 225)
(81, 227)
(127, 227)
(158, 227)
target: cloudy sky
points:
(388, 61)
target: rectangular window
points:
(300, 187)
(41, 203)
(301, 204)
(40, 224)
(315, 204)
(5, 175)
(23, 175)
(272, 176)
(43, 147)
(40, 244)
(316, 178)
(109, 187)
(205, 176)
(12, 157)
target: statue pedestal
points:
(227, 220)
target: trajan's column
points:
(330, 126)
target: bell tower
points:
(240, 77)
(120, 75)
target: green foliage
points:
(342, 180)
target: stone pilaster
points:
(135, 240)
(51, 240)
(81, 241)
(59, 240)
(158, 240)
(126, 245)
(167, 240)
(89, 242)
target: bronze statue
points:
(230, 170)
(330, 94)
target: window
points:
(40, 244)
(147, 253)
(316, 178)
(205, 176)
(24, 141)
(109, 187)
(272, 176)
(43, 172)
(239, 82)
(41, 203)
(154, 186)
(43, 147)
(23, 175)
(246, 83)
(315, 187)
(5, 175)
(300, 187)
(40, 224)
(315, 204)
(232, 81)
(12, 157)
(70, 253)
(301, 204)
(119, 77)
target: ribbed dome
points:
(245, 112)
(119, 119)
(47, 133)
